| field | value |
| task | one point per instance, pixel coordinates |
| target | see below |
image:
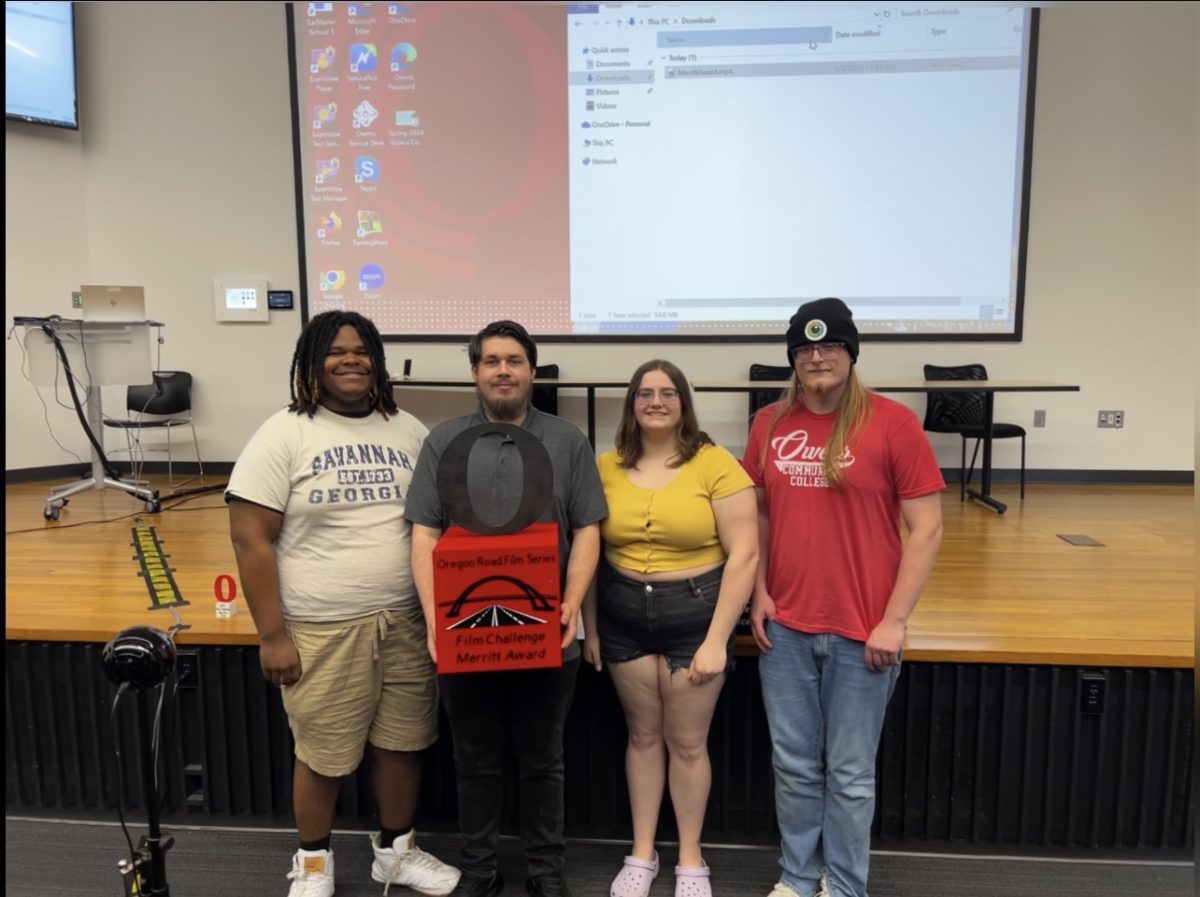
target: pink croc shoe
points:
(635, 878)
(692, 881)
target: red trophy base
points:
(497, 600)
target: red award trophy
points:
(496, 588)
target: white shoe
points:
(312, 874)
(782, 890)
(403, 863)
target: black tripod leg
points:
(150, 761)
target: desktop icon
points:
(366, 169)
(324, 116)
(363, 57)
(329, 225)
(407, 118)
(398, 9)
(369, 223)
(365, 115)
(591, 106)
(403, 56)
(327, 169)
(319, 9)
(334, 279)
(321, 59)
(370, 277)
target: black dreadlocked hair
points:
(308, 362)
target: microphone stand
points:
(146, 874)
(148, 871)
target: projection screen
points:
(663, 171)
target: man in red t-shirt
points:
(836, 469)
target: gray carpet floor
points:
(55, 859)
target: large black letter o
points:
(537, 485)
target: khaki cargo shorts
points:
(369, 679)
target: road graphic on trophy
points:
(497, 613)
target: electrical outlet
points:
(1111, 420)
(1092, 688)
(1039, 418)
(187, 665)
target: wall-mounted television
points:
(39, 63)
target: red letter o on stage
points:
(222, 584)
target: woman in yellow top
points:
(681, 549)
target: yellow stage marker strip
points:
(159, 578)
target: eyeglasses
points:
(827, 350)
(647, 395)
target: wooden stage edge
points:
(1006, 588)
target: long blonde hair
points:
(853, 412)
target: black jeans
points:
(530, 707)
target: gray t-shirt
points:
(495, 478)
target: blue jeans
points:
(825, 710)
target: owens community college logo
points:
(794, 456)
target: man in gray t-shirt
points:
(530, 704)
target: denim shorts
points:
(668, 618)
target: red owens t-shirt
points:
(834, 554)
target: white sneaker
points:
(403, 863)
(782, 890)
(312, 874)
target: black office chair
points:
(545, 398)
(164, 404)
(963, 413)
(761, 398)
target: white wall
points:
(182, 171)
